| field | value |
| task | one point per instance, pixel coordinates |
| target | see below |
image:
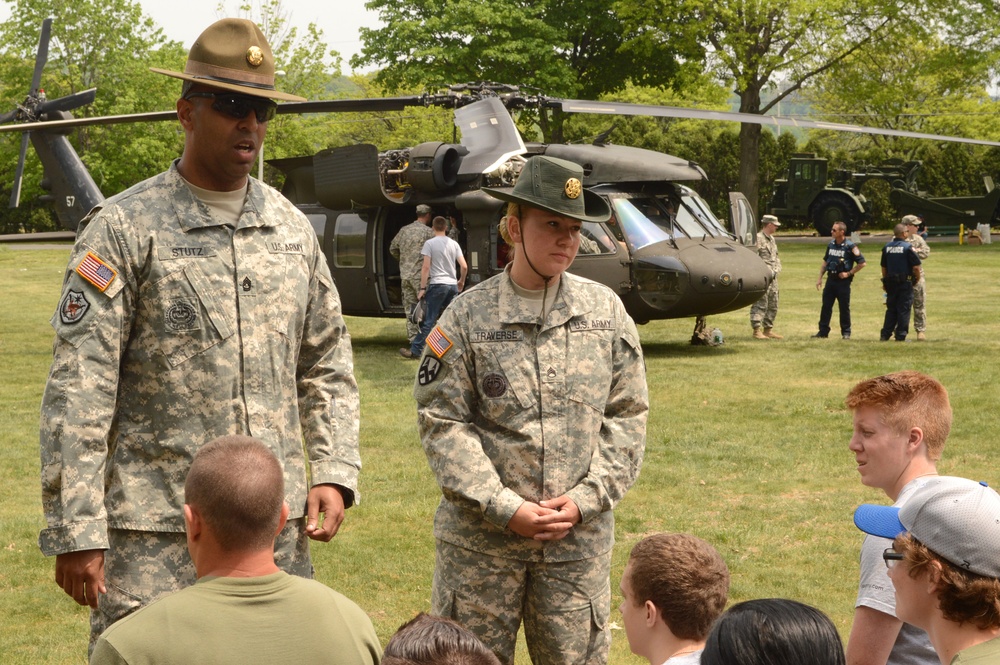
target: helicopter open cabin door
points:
(742, 222)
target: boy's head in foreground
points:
(674, 587)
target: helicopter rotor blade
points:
(15, 195)
(43, 54)
(67, 103)
(322, 106)
(353, 105)
(614, 108)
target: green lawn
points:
(746, 447)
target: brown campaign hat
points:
(232, 54)
(555, 185)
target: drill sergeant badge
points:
(494, 385)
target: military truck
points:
(810, 193)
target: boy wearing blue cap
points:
(901, 423)
(945, 565)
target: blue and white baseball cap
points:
(956, 518)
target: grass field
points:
(746, 446)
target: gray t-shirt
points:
(444, 253)
(912, 646)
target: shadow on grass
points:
(685, 350)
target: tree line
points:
(918, 65)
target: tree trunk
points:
(750, 148)
(749, 161)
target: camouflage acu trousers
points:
(564, 605)
(919, 307)
(764, 311)
(410, 288)
(141, 566)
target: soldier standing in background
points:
(196, 304)
(764, 311)
(532, 402)
(405, 248)
(900, 271)
(923, 250)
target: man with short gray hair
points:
(764, 311)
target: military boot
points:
(769, 332)
(759, 334)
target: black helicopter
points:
(663, 251)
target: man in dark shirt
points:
(841, 262)
(900, 271)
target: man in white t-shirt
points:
(901, 423)
(438, 281)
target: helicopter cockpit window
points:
(639, 229)
(349, 241)
(695, 217)
(594, 239)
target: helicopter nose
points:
(699, 278)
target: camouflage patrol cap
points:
(770, 219)
(424, 209)
(554, 185)
(232, 54)
(911, 220)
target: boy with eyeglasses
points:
(944, 565)
(901, 423)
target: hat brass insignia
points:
(255, 56)
(573, 188)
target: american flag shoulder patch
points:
(96, 271)
(438, 342)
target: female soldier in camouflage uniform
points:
(532, 403)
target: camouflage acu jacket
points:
(767, 249)
(174, 329)
(406, 246)
(510, 411)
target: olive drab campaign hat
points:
(554, 185)
(232, 54)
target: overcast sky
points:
(183, 20)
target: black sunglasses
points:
(238, 106)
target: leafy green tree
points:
(560, 48)
(754, 45)
(106, 44)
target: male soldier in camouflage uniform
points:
(405, 248)
(196, 304)
(532, 402)
(923, 250)
(764, 311)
